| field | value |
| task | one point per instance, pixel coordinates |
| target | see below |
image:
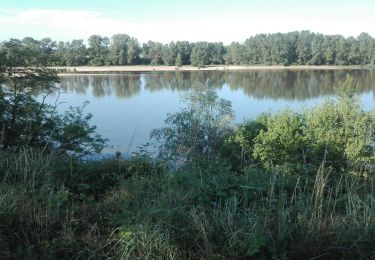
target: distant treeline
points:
(300, 48)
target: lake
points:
(127, 106)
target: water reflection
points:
(126, 107)
(122, 86)
(288, 85)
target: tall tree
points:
(178, 60)
(366, 48)
(133, 51)
(76, 53)
(118, 49)
(317, 57)
(27, 122)
(184, 48)
(155, 53)
(329, 53)
(304, 47)
(354, 56)
(98, 50)
(200, 54)
(169, 54)
(342, 50)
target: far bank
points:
(148, 68)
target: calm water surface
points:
(127, 106)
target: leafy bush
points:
(338, 133)
(199, 129)
(239, 147)
(282, 141)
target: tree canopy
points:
(298, 48)
(25, 121)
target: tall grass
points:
(216, 215)
(40, 215)
(200, 211)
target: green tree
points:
(178, 60)
(341, 49)
(366, 48)
(234, 54)
(328, 50)
(155, 53)
(304, 47)
(59, 58)
(98, 50)
(27, 122)
(200, 129)
(184, 48)
(216, 53)
(200, 55)
(169, 54)
(118, 49)
(133, 51)
(76, 53)
(354, 56)
(317, 54)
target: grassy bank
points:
(53, 208)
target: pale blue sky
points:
(167, 20)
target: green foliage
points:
(178, 60)
(27, 122)
(338, 133)
(199, 129)
(282, 141)
(205, 53)
(72, 53)
(98, 50)
(208, 212)
(303, 48)
(55, 207)
(74, 134)
(144, 242)
(47, 206)
(238, 148)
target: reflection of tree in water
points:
(76, 84)
(275, 84)
(103, 85)
(182, 80)
(126, 86)
(297, 85)
(166, 81)
(286, 84)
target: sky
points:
(173, 20)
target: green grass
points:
(199, 211)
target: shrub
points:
(238, 148)
(200, 129)
(340, 132)
(282, 141)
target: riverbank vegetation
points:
(293, 48)
(290, 185)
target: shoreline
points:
(74, 70)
